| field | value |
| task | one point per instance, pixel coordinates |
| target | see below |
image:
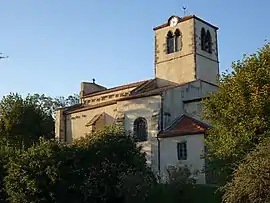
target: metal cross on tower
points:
(184, 9)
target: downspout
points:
(161, 129)
(65, 127)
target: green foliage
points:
(181, 187)
(113, 156)
(93, 169)
(6, 153)
(180, 183)
(204, 194)
(34, 173)
(251, 180)
(181, 176)
(49, 104)
(196, 194)
(22, 122)
(239, 110)
(135, 186)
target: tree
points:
(49, 104)
(114, 157)
(6, 153)
(65, 102)
(90, 170)
(22, 122)
(251, 180)
(239, 111)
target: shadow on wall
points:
(68, 129)
(109, 120)
(148, 108)
(98, 125)
(163, 83)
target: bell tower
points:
(186, 50)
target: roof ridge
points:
(117, 87)
(202, 124)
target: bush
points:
(251, 180)
(94, 169)
(135, 186)
(181, 187)
(179, 182)
(6, 153)
(113, 157)
(23, 121)
(35, 175)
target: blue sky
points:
(55, 44)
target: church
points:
(163, 113)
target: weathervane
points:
(184, 9)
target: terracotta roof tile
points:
(94, 119)
(118, 88)
(148, 92)
(184, 125)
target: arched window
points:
(170, 42)
(208, 42)
(140, 129)
(177, 42)
(203, 37)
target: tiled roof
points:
(184, 125)
(184, 19)
(86, 107)
(94, 119)
(118, 88)
(143, 91)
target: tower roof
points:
(182, 20)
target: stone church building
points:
(162, 113)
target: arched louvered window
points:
(203, 37)
(208, 42)
(170, 42)
(140, 129)
(177, 42)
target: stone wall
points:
(195, 160)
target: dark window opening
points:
(203, 39)
(140, 129)
(177, 35)
(170, 42)
(182, 151)
(206, 41)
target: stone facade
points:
(182, 79)
(191, 62)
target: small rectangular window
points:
(182, 151)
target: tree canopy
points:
(251, 180)
(239, 110)
(24, 120)
(93, 169)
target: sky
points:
(53, 45)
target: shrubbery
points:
(106, 166)
(93, 169)
(251, 180)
